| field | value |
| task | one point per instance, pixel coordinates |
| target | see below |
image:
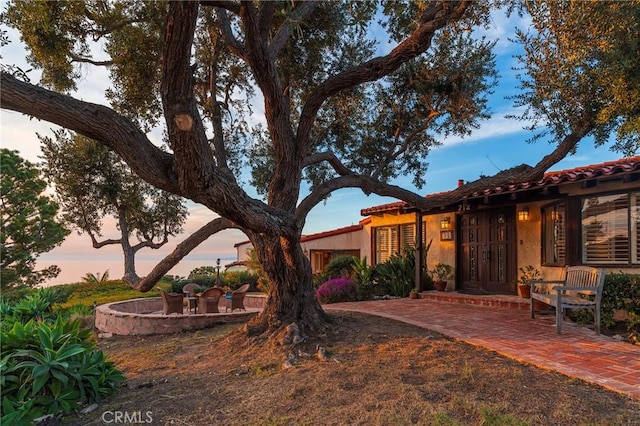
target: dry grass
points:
(379, 372)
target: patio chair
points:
(208, 300)
(189, 294)
(235, 300)
(190, 288)
(171, 302)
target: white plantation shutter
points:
(383, 244)
(408, 236)
(605, 229)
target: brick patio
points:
(504, 325)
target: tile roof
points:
(610, 168)
(333, 232)
(324, 234)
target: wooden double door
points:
(487, 252)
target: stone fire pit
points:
(144, 316)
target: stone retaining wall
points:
(144, 316)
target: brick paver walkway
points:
(577, 352)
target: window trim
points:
(560, 206)
(399, 243)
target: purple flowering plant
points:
(337, 290)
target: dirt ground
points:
(376, 372)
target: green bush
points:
(51, 369)
(236, 279)
(364, 277)
(106, 292)
(396, 276)
(341, 266)
(622, 292)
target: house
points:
(323, 247)
(588, 215)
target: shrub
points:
(622, 292)
(341, 266)
(106, 292)
(50, 369)
(364, 277)
(337, 290)
(235, 279)
(396, 276)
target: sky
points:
(498, 144)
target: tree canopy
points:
(340, 109)
(581, 61)
(91, 183)
(29, 226)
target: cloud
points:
(497, 126)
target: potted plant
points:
(528, 273)
(441, 273)
(413, 294)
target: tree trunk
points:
(291, 304)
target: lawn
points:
(377, 372)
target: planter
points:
(414, 295)
(525, 291)
(440, 285)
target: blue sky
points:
(497, 145)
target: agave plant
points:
(96, 278)
(49, 368)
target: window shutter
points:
(605, 229)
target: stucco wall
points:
(356, 240)
(440, 251)
(529, 233)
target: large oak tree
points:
(337, 112)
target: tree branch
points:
(433, 19)
(300, 13)
(181, 250)
(392, 156)
(567, 145)
(329, 157)
(266, 18)
(77, 58)
(368, 186)
(99, 244)
(232, 42)
(231, 6)
(150, 244)
(94, 121)
(186, 132)
(284, 188)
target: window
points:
(554, 234)
(390, 240)
(609, 226)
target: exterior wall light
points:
(523, 214)
(445, 223)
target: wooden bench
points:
(581, 289)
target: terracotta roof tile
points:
(623, 165)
